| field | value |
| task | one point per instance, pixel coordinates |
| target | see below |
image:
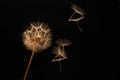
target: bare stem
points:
(60, 66)
(32, 55)
(79, 27)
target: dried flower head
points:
(38, 37)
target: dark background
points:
(89, 55)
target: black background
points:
(89, 55)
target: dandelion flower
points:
(37, 38)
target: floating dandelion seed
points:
(36, 39)
(77, 10)
(60, 52)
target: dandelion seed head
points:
(38, 37)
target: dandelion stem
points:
(32, 55)
(60, 66)
(79, 27)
